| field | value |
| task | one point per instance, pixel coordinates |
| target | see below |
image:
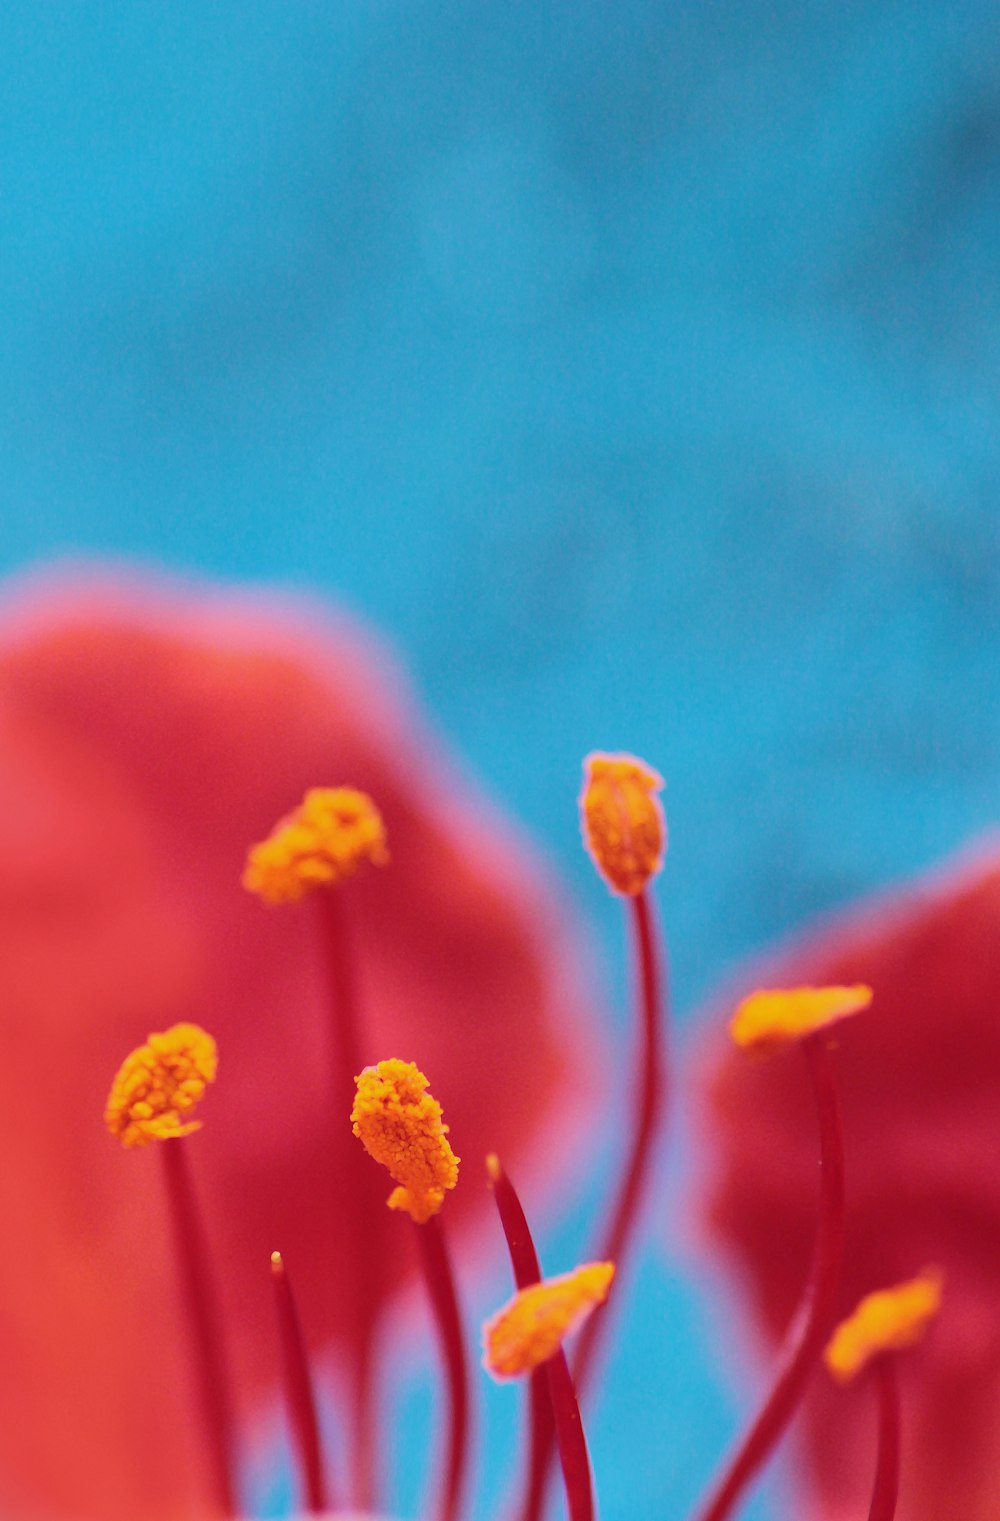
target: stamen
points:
(158, 1086)
(623, 824)
(530, 1328)
(324, 840)
(811, 1326)
(778, 1017)
(551, 1386)
(154, 1092)
(886, 1321)
(884, 1324)
(400, 1125)
(299, 1389)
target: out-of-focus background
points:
(633, 367)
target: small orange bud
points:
(530, 1328)
(623, 824)
(159, 1084)
(777, 1017)
(400, 1125)
(886, 1321)
(318, 844)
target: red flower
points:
(920, 1079)
(147, 737)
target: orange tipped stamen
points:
(531, 1327)
(778, 1017)
(299, 1389)
(158, 1086)
(623, 824)
(553, 1403)
(886, 1321)
(400, 1125)
(324, 840)
(812, 1324)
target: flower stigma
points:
(320, 843)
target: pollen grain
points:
(530, 1328)
(158, 1086)
(400, 1124)
(322, 841)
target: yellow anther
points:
(159, 1084)
(530, 1328)
(886, 1321)
(318, 844)
(623, 824)
(400, 1125)
(780, 1016)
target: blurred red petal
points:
(148, 734)
(920, 1079)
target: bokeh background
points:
(633, 366)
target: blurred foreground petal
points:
(920, 1079)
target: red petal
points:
(147, 737)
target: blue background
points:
(633, 366)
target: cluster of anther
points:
(159, 1085)
(399, 1124)
(324, 840)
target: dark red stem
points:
(359, 1282)
(619, 1233)
(886, 1490)
(201, 1315)
(814, 1321)
(435, 1261)
(299, 1389)
(555, 1413)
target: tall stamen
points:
(400, 1125)
(527, 1334)
(153, 1098)
(764, 1022)
(332, 834)
(299, 1390)
(884, 1324)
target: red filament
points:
(435, 1261)
(299, 1389)
(886, 1488)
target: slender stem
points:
(299, 1389)
(440, 1279)
(813, 1323)
(202, 1316)
(886, 1490)
(553, 1403)
(359, 1284)
(619, 1233)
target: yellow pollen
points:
(886, 1321)
(530, 1328)
(780, 1016)
(318, 844)
(623, 824)
(399, 1124)
(159, 1084)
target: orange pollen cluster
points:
(530, 1328)
(320, 843)
(400, 1125)
(886, 1321)
(779, 1017)
(159, 1084)
(623, 824)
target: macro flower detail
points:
(888, 1320)
(622, 818)
(159, 728)
(159, 1084)
(778, 1017)
(920, 1096)
(318, 844)
(400, 1125)
(532, 1326)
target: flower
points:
(149, 733)
(920, 1079)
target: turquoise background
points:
(633, 367)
